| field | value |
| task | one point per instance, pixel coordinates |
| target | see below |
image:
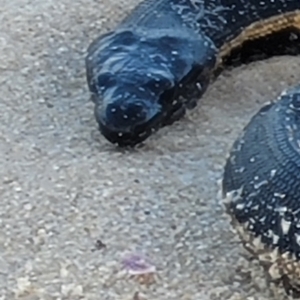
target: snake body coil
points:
(160, 60)
(261, 188)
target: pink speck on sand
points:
(137, 264)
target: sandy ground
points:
(63, 187)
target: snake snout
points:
(126, 122)
(124, 117)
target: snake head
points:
(135, 79)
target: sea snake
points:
(159, 61)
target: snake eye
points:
(295, 103)
(105, 81)
(158, 84)
(125, 38)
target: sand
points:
(63, 187)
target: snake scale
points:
(160, 60)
